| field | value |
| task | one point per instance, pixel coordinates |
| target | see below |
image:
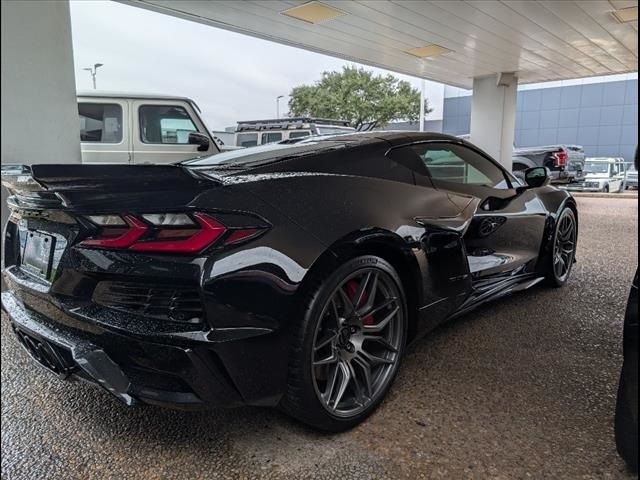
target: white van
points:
(141, 129)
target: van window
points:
(247, 140)
(299, 134)
(271, 137)
(100, 122)
(165, 124)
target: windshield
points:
(263, 154)
(596, 167)
(334, 130)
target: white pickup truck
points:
(141, 129)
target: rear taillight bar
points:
(559, 158)
(164, 233)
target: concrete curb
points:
(633, 195)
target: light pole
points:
(421, 125)
(278, 106)
(92, 71)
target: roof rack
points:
(288, 123)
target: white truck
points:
(602, 174)
(141, 129)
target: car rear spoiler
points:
(113, 178)
(102, 186)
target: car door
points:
(104, 132)
(505, 234)
(161, 132)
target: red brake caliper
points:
(352, 289)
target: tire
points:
(311, 378)
(554, 277)
(626, 427)
(605, 189)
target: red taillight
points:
(560, 159)
(118, 236)
(210, 230)
(164, 233)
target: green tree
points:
(357, 95)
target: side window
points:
(299, 134)
(271, 137)
(165, 124)
(100, 122)
(247, 139)
(460, 165)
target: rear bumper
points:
(212, 368)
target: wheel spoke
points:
(388, 302)
(346, 301)
(331, 384)
(378, 327)
(336, 316)
(369, 295)
(381, 341)
(365, 368)
(345, 374)
(360, 293)
(361, 396)
(333, 358)
(324, 342)
(372, 359)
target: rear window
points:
(264, 154)
(100, 122)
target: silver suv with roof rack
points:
(250, 133)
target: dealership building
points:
(601, 114)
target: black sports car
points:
(290, 275)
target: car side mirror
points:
(199, 139)
(537, 177)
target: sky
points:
(231, 76)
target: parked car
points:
(626, 419)
(632, 178)
(602, 174)
(290, 275)
(141, 129)
(250, 133)
(566, 162)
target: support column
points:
(39, 110)
(493, 115)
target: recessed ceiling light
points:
(428, 51)
(313, 12)
(625, 15)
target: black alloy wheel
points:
(353, 337)
(564, 248)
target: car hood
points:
(597, 176)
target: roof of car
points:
(395, 137)
(147, 96)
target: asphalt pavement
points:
(521, 388)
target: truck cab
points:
(141, 129)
